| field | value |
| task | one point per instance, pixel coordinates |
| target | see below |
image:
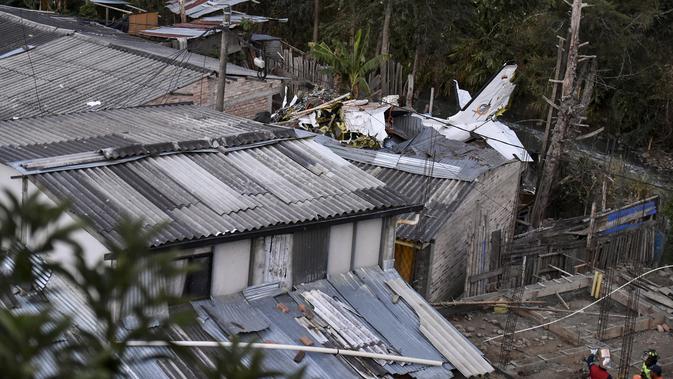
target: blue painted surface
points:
(647, 209)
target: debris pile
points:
(358, 123)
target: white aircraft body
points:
(478, 116)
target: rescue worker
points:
(650, 358)
(596, 370)
(654, 372)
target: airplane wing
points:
(501, 138)
(491, 100)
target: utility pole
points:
(183, 16)
(219, 103)
(316, 20)
(385, 47)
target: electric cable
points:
(581, 310)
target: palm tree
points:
(350, 64)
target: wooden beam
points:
(485, 275)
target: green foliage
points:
(349, 63)
(126, 307)
(25, 337)
(470, 40)
(88, 11)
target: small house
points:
(55, 64)
(277, 222)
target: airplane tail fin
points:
(491, 100)
(462, 96)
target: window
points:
(309, 255)
(195, 284)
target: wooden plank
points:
(485, 275)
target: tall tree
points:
(565, 115)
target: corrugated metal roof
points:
(17, 33)
(256, 180)
(74, 73)
(198, 8)
(172, 189)
(440, 196)
(68, 24)
(352, 310)
(448, 340)
(45, 137)
(428, 169)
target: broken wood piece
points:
(485, 302)
(660, 328)
(562, 301)
(306, 341)
(299, 357)
(282, 307)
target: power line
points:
(25, 44)
(581, 310)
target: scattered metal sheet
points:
(444, 337)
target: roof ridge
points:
(179, 104)
(35, 24)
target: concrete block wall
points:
(496, 193)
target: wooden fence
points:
(607, 240)
(304, 69)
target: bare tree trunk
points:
(316, 20)
(565, 116)
(385, 45)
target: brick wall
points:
(243, 97)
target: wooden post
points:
(432, 100)
(604, 195)
(410, 90)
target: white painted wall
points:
(340, 249)
(231, 267)
(93, 248)
(367, 243)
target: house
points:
(470, 192)
(275, 219)
(72, 65)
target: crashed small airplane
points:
(478, 116)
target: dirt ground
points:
(540, 352)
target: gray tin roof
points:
(360, 300)
(203, 173)
(77, 73)
(440, 196)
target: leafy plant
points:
(350, 64)
(128, 298)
